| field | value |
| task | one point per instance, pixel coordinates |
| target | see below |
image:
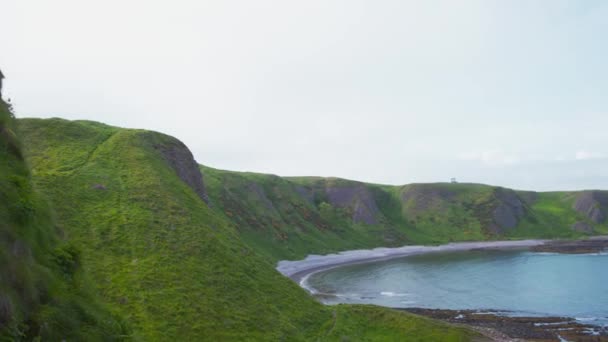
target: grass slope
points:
(175, 268)
(44, 291)
(289, 218)
(284, 220)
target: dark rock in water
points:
(357, 198)
(182, 162)
(582, 227)
(592, 204)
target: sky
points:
(510, 93)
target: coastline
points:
(299, 270)
(493, 324)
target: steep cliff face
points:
(286, 217)
(508, 211)
(495, 210)
(179, 157)
(357, 199)
(292, 217)
(593, 205)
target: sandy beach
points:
(298, 270)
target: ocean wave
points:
(393, 294)
(587, 319)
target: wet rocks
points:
(524, 328)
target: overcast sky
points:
(512, 93)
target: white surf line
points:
(299, 270)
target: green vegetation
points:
(283, 220)
(174, 267)
(44, 291)
(289, 218)
(124, 222)
(351, 323)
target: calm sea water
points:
(519, 282)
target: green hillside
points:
(174, 267)
(289, 218)
(44, 290)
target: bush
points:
(67, 258)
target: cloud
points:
(588, 155)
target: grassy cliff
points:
(169, 259)
(288, 218)
(44, 290)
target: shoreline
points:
(488, 322)
(299, 270)
(518, 328)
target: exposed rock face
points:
(181, 160)
(592, 204)
(260, 194)
(306, 193)
(529, 197)
(509, 210)
(582, 227)
(356, 197)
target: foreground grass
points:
(45, 292)
(352, 323)
(172, 266)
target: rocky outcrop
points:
(357, 198)
(582, 227)
(179, 157)
(509, 210)
(306, 193)
(593, 205)
(529, 197)
(260, 195)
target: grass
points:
(45, 292)
(177, 269)
(291, 217)
(351, 323)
